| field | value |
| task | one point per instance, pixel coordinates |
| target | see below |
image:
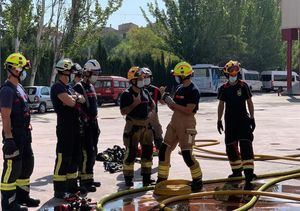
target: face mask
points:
(178, 79)
(140, 84)
(93, 79)
(23, 75)
(147, 81)
(72, 76)
(232, 79)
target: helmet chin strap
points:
(14, 75)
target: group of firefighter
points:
(75, 103)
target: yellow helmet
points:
(183, 69)
(135, 72)
(18, 61)
(232, 68)
(64, 64)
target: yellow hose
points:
(226, 192)
(287, 175)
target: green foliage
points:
(213, 31)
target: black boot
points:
(23, 198)
(128, 181)
(29, 202)
(147, 180)
(97, 184)
(249, 177)
(196, 185)
(74, 188)
(236, 173)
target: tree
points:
(85, 20)
(262, 35)
(101, 55)
(18, 17)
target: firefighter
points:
(137, 104)
(65, 102)
(17, 152)
(156, 96)
(77, 74)
(90, 124)
(239, 126)
(182, 128)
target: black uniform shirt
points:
(142, 110)
(64, 113)
(187, 95)
(91, 108)
(155, 94)
(235, 98)
(11, 97)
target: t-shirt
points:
(64, 113)
(7, 94)
(155, 94)
(187, 95)
(89, 108)
(15, 98)
(235, 97)
(142, 110)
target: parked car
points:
(39, 98)
(273, 80)
(110, 88)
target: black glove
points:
(10, 149)
(220, 126)
(252, 124)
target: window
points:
(31, 90)
(201, 72)
(98, 84)
(106, 84)
(280, 78)
(217, 72)
(251, 77)
(45, 91)
(266, 78)
(122, 84)
(116, 84)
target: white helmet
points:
(64, 64)
(92, 65)
(92, 70)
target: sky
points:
(130, 12)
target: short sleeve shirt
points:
(142, 110)
(7, 95)
(235, 97)
(64, 113)
(187, 95)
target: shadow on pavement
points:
(42, 181)
(293, 99)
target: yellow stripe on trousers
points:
(8, 171)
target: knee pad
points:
(162, 152)
(188, 157)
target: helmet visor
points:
(233, 71)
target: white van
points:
(272, 80)
(252, 78)
(208, 77)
